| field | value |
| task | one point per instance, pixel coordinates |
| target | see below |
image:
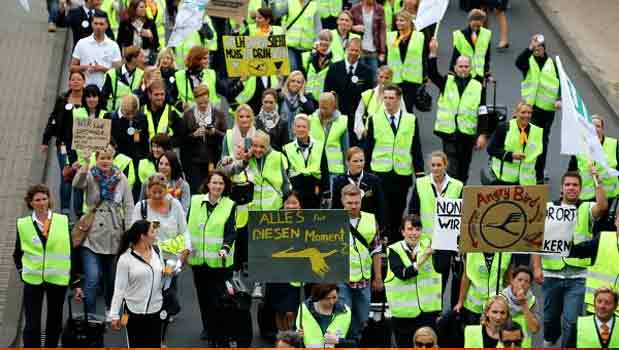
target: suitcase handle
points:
(69, 301)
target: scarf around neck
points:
(107, 183)
(268, 119)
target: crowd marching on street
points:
(193, 151)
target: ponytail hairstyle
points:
(132, 235)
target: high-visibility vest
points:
(527, 341)
(609, 183)
(338, 51)
(120, 89)
(359, 256)
(587, 333)
(301, 35)
(422, 293)
(477, 54)
(108, 7)
(483, 283)
(242, 211)
(298, 165)
(520, 172)
(268, 181)
(474, 338)
(82, 113)
(391, 9)
(194, 39)
(393, 152)
(51, 264)
(373, 105)
(331, 139)
(315, 82)
(185, 92)
(329, 8)
(162, 126)
(410, 69)
(582, 232)
(252, 6)
(145, 169)
(313, 337)
(254, 31)
(207, 232)
(541, 88)
(122, 162)
(427, 200)
(605, 270)
(249, 89)
(458, 112)
(159, 17)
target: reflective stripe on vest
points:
(249, 89)
(145, 169)
(520, 172)
(162, 126)
(411, 69)
(315, 80)
(312, 333)
(541, 88)
(609, 183)
(51, 264)
(483, 283)
(207, 231)
(183, 86)
(458, 112)
(338, 52)
(393, 152)
(408, 298)
(582, 233)
(473, 337)
(605, 271)
(268, 182)
(120, 89)
(587, 333)
(298, 165)
(301, 35)
(359, 256)
(329, 8)
(478, 56)
(427, 200)
(332, 140)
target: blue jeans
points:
(294, 58)
(65, 187)
(52, 10)
(97, 267)
(563, 303)
(358, 300)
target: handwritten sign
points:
(91, 135)
(299, 245)
(560, 225)
(503, 218)
(256, 55)
(236, 9)
(447, 222)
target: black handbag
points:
(423, 101)
(80, 332)
(170, 302)
(242, 193)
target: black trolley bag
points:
(80, 332)
(496, 114)
(377, 332)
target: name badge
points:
(130, 131)
(354, 79)
(85, 24)
(68, 106)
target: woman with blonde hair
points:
(425, 337)
(496, 314)
(294, 100)
(167, 66)
(316, 63)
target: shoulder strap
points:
(298, 16)
(358, 236)
(144, 209)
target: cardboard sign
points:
(559, 229)
(256, 55)
(503, 218)
(236, 9)
(299, 245)
(447, 222)
(91, 135)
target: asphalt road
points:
(524, 21)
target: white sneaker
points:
(108, 316)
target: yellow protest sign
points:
(256, 55)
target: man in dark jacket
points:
(79, 18)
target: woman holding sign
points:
(423, 203)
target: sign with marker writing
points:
(447, 224)
(256, 55)
(560, 225)
(91, 135)
(299, 246)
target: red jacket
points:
(378, 24)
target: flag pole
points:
(438, 24)
(589, 161)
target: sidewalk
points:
(29, 70)
(590, 29)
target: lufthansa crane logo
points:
(503, 224)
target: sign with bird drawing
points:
(298, 246)
(503, 218)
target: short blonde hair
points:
(244, 107)
(293, 74)
(325, 34)
(350, 190)
(501, 299)
(302, 117)
(428, 332)
(519, 106)
(259, 134)
(163, 53)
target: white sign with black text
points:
(447, 223)
(559, 228)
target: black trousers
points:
(33, 305)
(196, 174)
(395, 188)
(144, 330)
(209, 282)
(405, 328)
(409, 94)
(444, 263)
(544, 120)
(459, 153)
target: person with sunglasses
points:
(487, 335)
(512, 335)
(425, 337)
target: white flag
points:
(430, 12)
(578, 135)
(25, 4)
(188, 20)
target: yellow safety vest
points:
(146, 168)
(301, 35)
(194, 39)
(331, 139)
(474, 338)
(162, 126)
(329, 8)
(605, 271)
(477, 54)
(338, 51)
(359, 256)
(313, 337)
(483, 282)
(185, 92)
(520, 172)
(249, 89)
(393, 152)
(458, 112)
(268, 181)
(427, 200)
(410, 69)
(587, 334)
(315, 82)
(609, 183)
(541, 88)
(582, 233)
(120, 89)
(298, 165)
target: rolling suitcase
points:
(80, 332)
(496, 113)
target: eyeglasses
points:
(423, 345)
(511, 343)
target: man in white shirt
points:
(97, 53)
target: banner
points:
(503, 218)
(256, 55)
(578, 135)
(299, 246)
(559, 229)
(430, 12)
(228, 8)
(91, 135)
(188, 20)
(447, 223)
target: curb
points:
(580, 55)
(13, 316)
